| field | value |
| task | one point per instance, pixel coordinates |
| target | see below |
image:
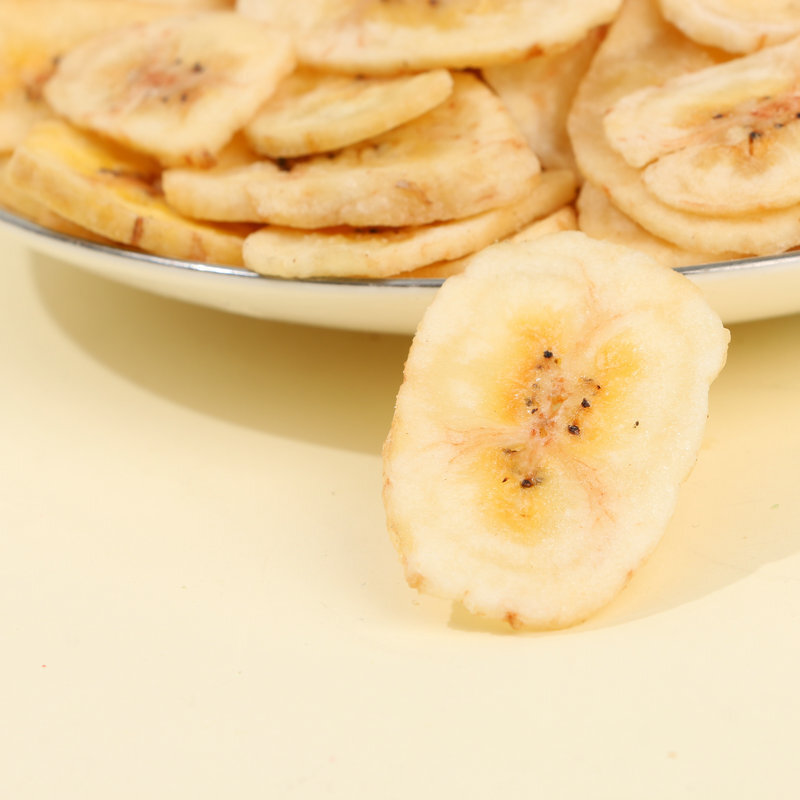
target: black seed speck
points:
(585, 403)
(778, 125)
(548, 354)
(526, 483)
(753, 135)
(573, 429)
(504, 480)
(284, 165)
(636, 424)
(534, 410)
(198, 67)
(718, 116)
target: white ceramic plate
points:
(749, 289)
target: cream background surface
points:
(198, 598)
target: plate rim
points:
(15, 221)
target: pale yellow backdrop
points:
(198, 598)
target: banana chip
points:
(314, 112)
(19, 202)
(114, 193)
(721, 141)
(640, 36)
(562, 220)
(553, 400)
(556, 188)
(178, 88)
(188, 5)
(20, 109)
(378, 38)
(600, 219)
(34, 35)
(538, 93)
(740, 26)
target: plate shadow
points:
(330, 387)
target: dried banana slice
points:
(554, 398)
(177, 88)
(22, 204)
(189, 5)
(556, 188)
(600, 219)
(292, 16)
(461, 158)
(739, 26)
(375, 37)
(561, 220)
(381, 252)
(641, 37)
(538, 93)
(721, 141)
(114, 193)
(34, 34)
(217, 193)
(315, 112)
(20, 109)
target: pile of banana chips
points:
(368, 138)
(556, 392)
